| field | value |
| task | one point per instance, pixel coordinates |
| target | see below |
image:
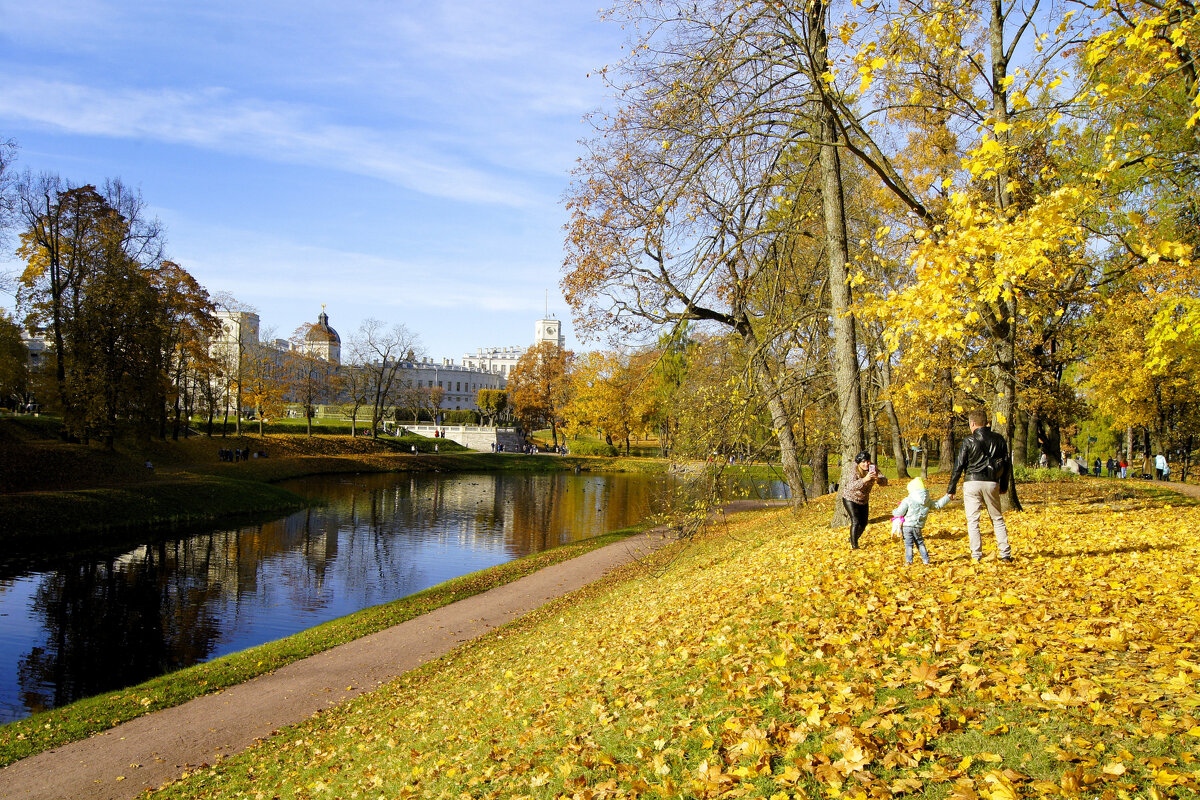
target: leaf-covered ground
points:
(768, 660)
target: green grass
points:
(766, 660)
(86, 717)
(50, 516)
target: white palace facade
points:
(489, 368)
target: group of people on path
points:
(984, 463)
(232, 454)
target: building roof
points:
(321, 332)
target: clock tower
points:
(549, 330)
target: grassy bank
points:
(768, 660)
(31, 517)
(86, 717)
(49, 488)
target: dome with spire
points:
(322, 333)
(323, 341)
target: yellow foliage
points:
(768, 659)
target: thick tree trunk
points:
(820, 470)
(1021, 441)
(946, 452)
(837, 253)
(1050, 440)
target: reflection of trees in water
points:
(122, 619)
(116, 622)
(549, 510)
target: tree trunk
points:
(820, 470)
(1006, 405)
(898, 448)
(837, 254)
(1020, 448)
(765, 375)
(946, 449)
(1050, 439)
(946, 444)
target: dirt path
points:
(149, 751)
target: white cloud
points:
(215, 119)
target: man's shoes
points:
(1006, 558)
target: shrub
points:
(1041, 474)
(460, 417)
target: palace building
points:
(488, 368)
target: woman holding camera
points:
(856, 494)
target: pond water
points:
(71, 628)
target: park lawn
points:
(92, 715)
(766, 659)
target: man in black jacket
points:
(983, 456)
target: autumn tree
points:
(263, 383)
(14, 364)
(492, 403)
(187, 325)
(429, 400)
(539, 387)
(695, 201)
(351, 384)
(666, 364)
(233, 350)
(95, 277)
(608, 394)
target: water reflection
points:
(70, 630)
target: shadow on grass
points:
(1112, 551)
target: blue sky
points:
(398, 160)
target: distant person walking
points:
(983, 459)
(1162, 471)
(856, 494)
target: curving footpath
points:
(149, 751)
